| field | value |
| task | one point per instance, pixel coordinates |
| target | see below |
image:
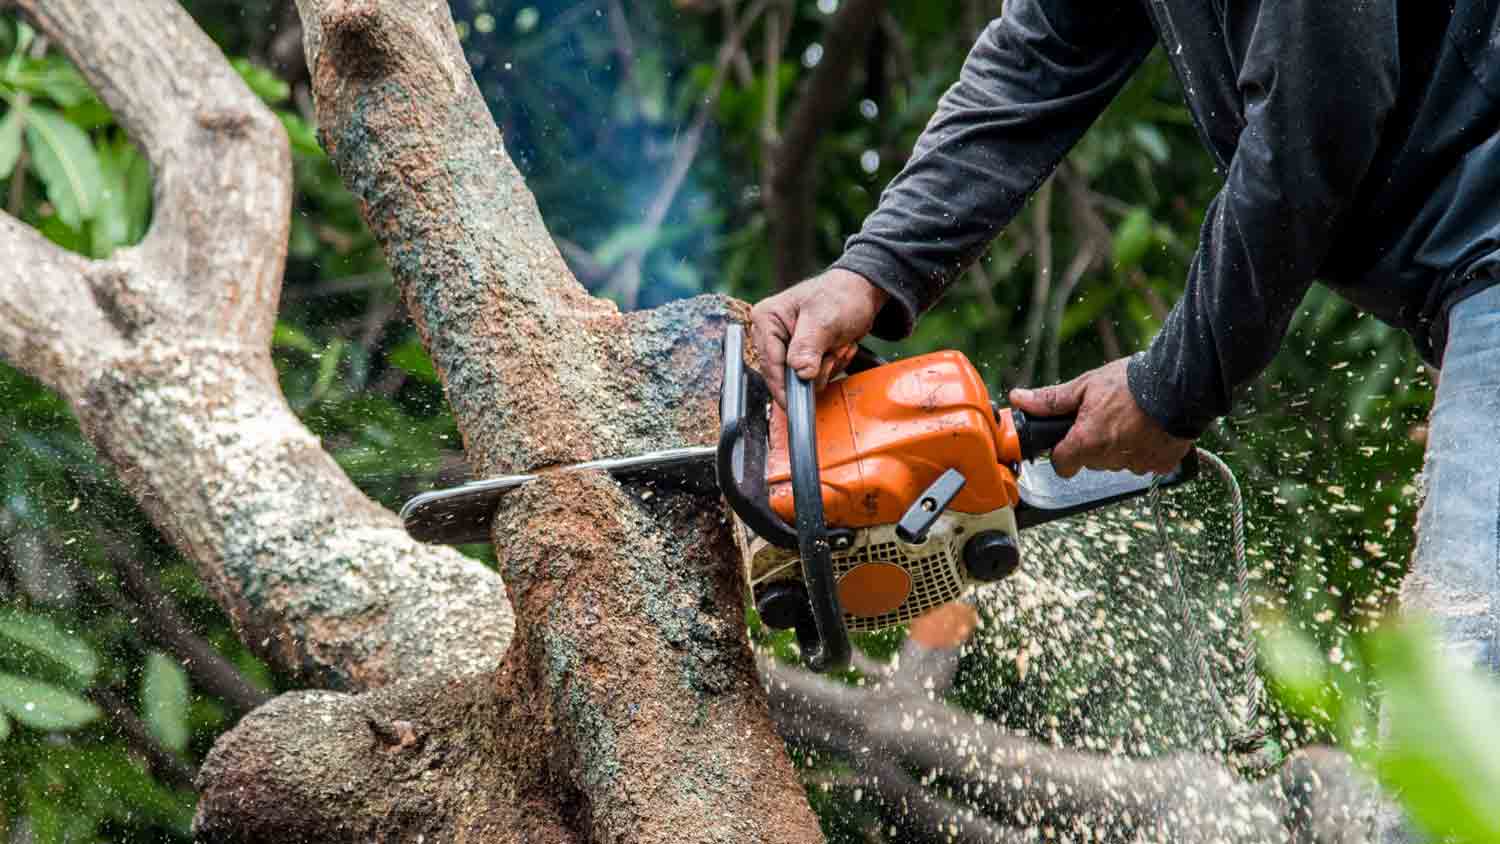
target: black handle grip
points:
(832, 649)
(1040, 433)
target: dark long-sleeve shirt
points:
(1358, 140)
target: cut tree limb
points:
(1005, 786)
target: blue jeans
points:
(1455, 571)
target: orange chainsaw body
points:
(886, 434)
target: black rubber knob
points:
(783, 605)
(991, 555)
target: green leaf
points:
(1150, 139)
(1082, 314)
(111, 227)
(266, 85)
(89, 115)
(53, 79)
(164, 701)
(65, 160)
(626, 240)
(10, 141)
(1439, 753)
(1299, 670)
(411, 358)
(137, 195)
(40, 635)
(303, 136)
(4, 727)
(328, 369)
(288, 336)
(1132, 239)
(43, 706)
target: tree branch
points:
(49, 324)
(627, 280)
(163, 353)
(1041, 288)
(1097, 240)
(940, 820)
(1015, 784)
(220, 161)
(165, 764)
(166, 627)
(210, 671)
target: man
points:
(1358, 144)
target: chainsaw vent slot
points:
(936, 579)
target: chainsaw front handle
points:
(833, 649)
(740, 464)
(1038, 434)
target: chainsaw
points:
(897, 488)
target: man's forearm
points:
(1034, 82)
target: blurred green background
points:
(646, 131)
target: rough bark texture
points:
(163, 351)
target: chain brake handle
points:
(740, 465)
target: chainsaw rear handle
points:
(1040, 433)
(740, 464)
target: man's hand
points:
(815, 326)
(1111, 432)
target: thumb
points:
(1057, 400)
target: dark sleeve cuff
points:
(1151, 387)
(884, 270)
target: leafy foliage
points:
(1437, 746)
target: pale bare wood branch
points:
(219, 159)
(1011, 784)
(50, 325)
(163, 353)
